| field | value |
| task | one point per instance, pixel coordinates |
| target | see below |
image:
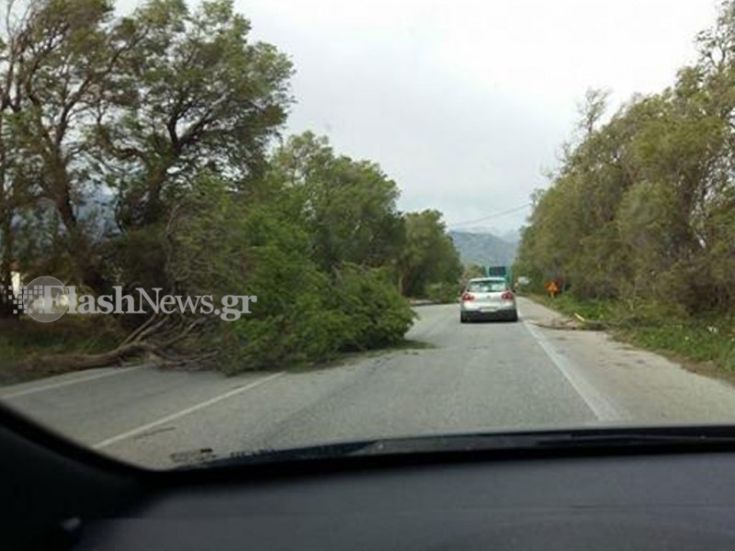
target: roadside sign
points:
(552, 288)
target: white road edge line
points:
(163, 420)
(600, 406)
(69, 382)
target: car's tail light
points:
(508, 295)
(468, 297)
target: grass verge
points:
(704, 339)
(22, 340)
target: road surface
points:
(467, 377)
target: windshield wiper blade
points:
(635, 439)
(583, 439)
(261, 456)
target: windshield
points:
(488, 286)
(229, 227)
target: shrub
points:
(303, 317)
(377, 314)
(293, 320)
(442, 293)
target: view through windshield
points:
(230, 226)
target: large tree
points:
(349, 206)
(429, 255)
(199, 94)
(74, 52)
(13, 194)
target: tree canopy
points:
(643, 205)
(145, 151)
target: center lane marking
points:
(163, 420)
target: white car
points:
(487, 298)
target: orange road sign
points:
(552, 288)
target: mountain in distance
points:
(484, 248)
(509, 235)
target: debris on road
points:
(578, 324)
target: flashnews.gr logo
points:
(47, 299)
(44, 299)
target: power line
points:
(490, 216)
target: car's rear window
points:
(486, 286)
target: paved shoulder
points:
(651, 389)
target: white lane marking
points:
(163, 420)
(603, 409)
(69, 382)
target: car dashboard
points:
(651, 496)
(639, 502)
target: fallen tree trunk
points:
(155, 341)
(74, 362)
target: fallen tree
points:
(157, 341)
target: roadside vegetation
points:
(638, 225)
(707, 339)
(146, 151)
(22, 341)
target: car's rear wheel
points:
(514, 316)
(463, 318)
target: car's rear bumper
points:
(497, 315)
(504, 311)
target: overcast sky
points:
(465, 104)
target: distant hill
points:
(485, 249)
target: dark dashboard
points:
(655, 495)
(645, 502)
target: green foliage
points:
(22, 340)
(134, 152)
(293, 320)
(218, 244)
(302, 318)
(428, 256)
(473, 271)
(377, 315)
(641, 208)
(196, 93)
(349, 206)
(443, 293)
(132, 106)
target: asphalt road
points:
(467, 377)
